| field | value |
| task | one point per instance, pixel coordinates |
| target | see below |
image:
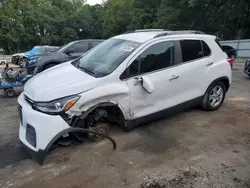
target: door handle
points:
(138, 80)
(174, 77)
(210, 63)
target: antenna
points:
(192, 25)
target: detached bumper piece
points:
(39, 156)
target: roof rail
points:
(179, 32)
(145, 30)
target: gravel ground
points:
(191, 149)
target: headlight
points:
(57, 106)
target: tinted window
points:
(156, 57)
(95, 43)
(80, 47)
(191, 50)
(206, 49)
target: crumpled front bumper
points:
(37, 130)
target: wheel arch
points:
(223, 79)
(107, 104)
(55, 62)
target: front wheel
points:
(9, 93)
(22, 62)
(214, 96)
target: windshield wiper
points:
(86, 70)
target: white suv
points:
(127, 80)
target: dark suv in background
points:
(65, 53)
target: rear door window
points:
(191, 50)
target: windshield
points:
(64, 47)
(106, 57)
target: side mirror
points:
(69, 51)
(147, 84)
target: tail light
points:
(230, 61)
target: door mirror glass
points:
(147, 84)
(69, 51)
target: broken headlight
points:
(58, 105)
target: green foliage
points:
(25, 23)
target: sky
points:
(93, 2)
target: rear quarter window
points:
(206, 49)
(191, 50)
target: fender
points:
(49, 62)
(103, 104)
(224, 79)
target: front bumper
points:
(37, 130)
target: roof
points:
(139, 37)
(142, 37)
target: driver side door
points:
(154, 68)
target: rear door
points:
(192, 69)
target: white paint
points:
(191, 81)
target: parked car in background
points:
(247, 67)
(127, 80)
(22, 58)
(230, 51)
(66, 53)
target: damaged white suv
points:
(127, 80)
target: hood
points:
(57, 82)
(18, 54)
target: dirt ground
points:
(191, 149)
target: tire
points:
(212, 100)
(10, 93)
(22, 62)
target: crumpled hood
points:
(59, 81)
(18, 54)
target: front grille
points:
(20, 114)
(31, 135)
(28, 100)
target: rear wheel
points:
(214, 96)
